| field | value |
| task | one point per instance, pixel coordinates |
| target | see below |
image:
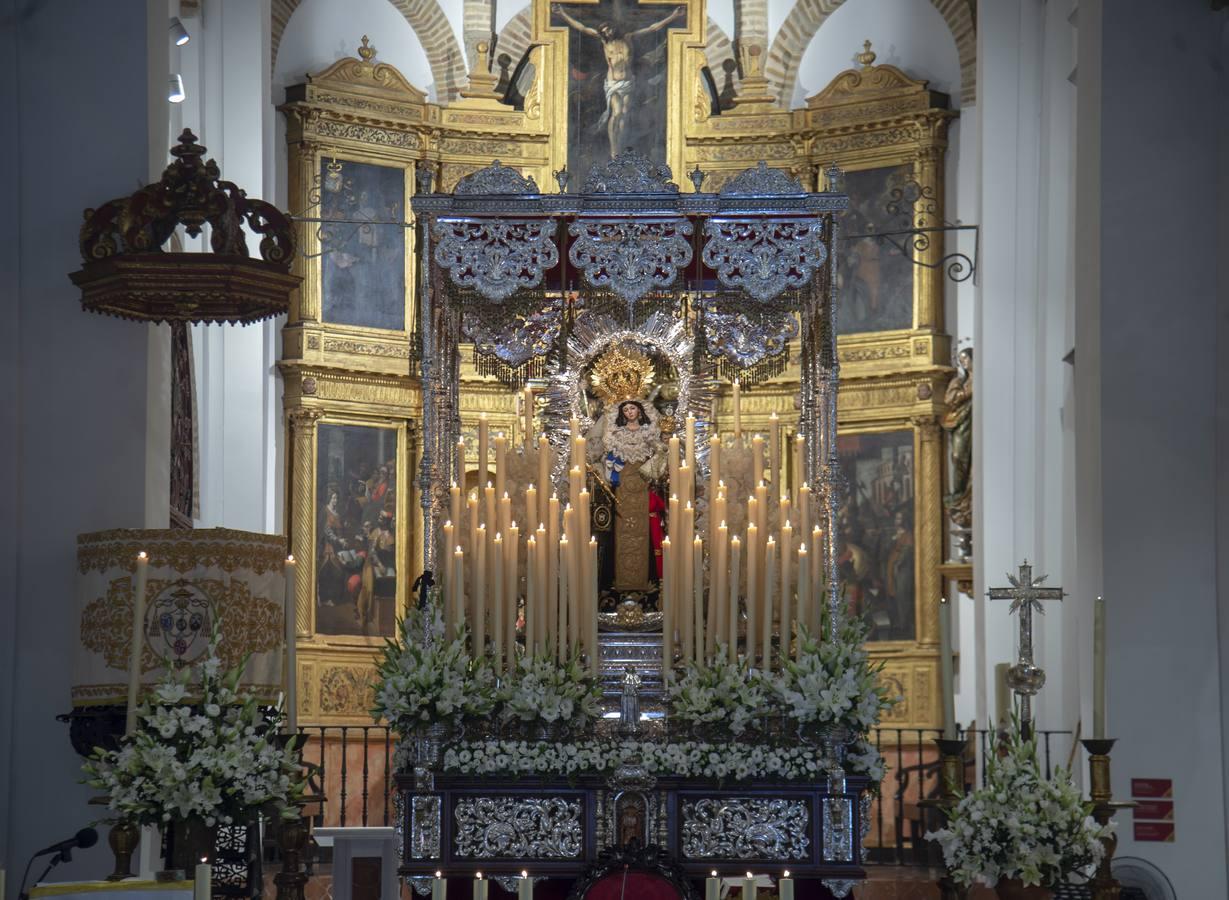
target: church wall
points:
(74, 436)
(1159, 218)
(1222, 411)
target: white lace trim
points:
(632, 446)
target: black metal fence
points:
(356, 768)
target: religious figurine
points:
(957, 421)
(627, 452)
(629, 702)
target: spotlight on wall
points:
(179, 34)
(175, 92)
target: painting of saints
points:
(616, 98)
(874, 278)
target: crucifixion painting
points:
(616, 97)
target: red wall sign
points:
(1152, 787)
(1154, 831)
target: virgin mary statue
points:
(627, 452)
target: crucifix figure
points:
(1026, 594)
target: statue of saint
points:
(957, 421)
(627, 452)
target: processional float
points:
(593, 289)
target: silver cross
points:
(1026, 594)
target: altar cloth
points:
(129, 889)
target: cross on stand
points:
(1024, 678)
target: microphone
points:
(86, 837)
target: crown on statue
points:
(621, 373)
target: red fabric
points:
(657, 529)
(638, 886)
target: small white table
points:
(361, 843)
(130, 889)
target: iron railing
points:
(356, 771)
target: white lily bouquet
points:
(722, 692)
(1022, 825)
(424, 678)
(202, 750)
(540, 690)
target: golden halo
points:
(621, 373)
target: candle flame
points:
(714, 875)
(142, 555)
(439, 874)
(786, 875)
(524, 874)
(289, 558)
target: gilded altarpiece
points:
(359, 130)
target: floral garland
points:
(202, 750)
(422, 682)
(686, 759)
(1022, 825)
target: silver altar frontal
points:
(708, 286)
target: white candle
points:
(497, 602)
(1098, 669)
(565, 601)
(540, 610)
(512, 569)
(479, 887)
(757, 459)
(672, 463)
(555, 624)
(738, 412)
(804, 587)
(785, 887)
(458, 590)
(798, 476)
(531, 508)
(439, 887)
(446, 579)
(697, 599)
(479, 638)
(774, 451)
(544, 467)
(528, 410)
(454, 505)
(717, 604)
(484, 437)
(292, 674)
(138, 639)
(749, 887)
(501, 463)
(459, 462)
(591, 611)
(531, 595)
(524, 887)
(732, 618)
(202, 883)
(786, 631)
(753, 594)
(690, 432)
(947, 688)
(712, 887)
(804, 513)
(667, 603)
(770, 568)
(818, 603)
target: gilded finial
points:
(867, 56)
(366, 51)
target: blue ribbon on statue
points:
(614, 465)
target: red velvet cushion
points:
(632, 885)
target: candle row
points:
(439, 887)
(524, 887)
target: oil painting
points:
(362, 239)
(617, 89)
(877, 547)
(356, 529)
(874, 277)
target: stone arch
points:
(807, 16)
(429, 23)
(515, 37)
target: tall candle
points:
(712, 887)
(714, 464)
(497, 602)
(690, 432)
(439, 887)
(501, 464)
(753, 595)
(458, 599)
(542, 598)
(738, 413)
(479, 886)
(770, 568)
(774, 451)
(488, 512)
(804, 587)
(459, 463)
(686, 483)
(1098, 669)
(532, 517)
(554, 621)
(697, 599)
(591, 610)
(668, 605)
(527, 405)
(717, 603)
(524, 887)
(798, 476)
(757, 459)
(138, 638)
(479, 638)
(454, 505)
(544, 466)
(504, 518)
(574, 583)
(749, 887)
(786, 631)
(804, 512)
(291, 615)
(573, 434)
(947, 687)
(686, 591)
(563, 644)
(483, 448)
(471, 512)
(512, 568)
(818, 601)
(446, 576)
(202, 882)
(736, 555)
(672, 462)
(531, 596)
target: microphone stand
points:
(64, 855)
